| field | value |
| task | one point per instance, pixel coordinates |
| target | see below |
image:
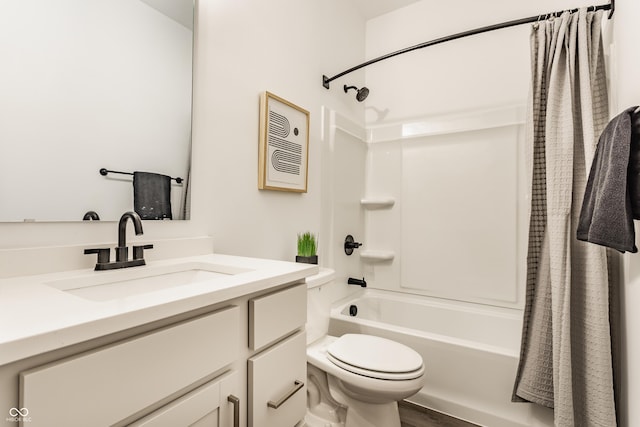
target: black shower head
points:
(362, 93)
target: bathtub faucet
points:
(358, 282)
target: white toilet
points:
(355, 380)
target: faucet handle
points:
(138, 251)
(350, 244)
(103, 254)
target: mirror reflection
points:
(89, 85)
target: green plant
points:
(306, 244)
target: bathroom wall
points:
(344, 157)
(242, 49)
(457, 222)
(468, 74)
(446, 140)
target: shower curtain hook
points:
(537, 23)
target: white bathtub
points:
(470, 352)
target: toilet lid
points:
(375, 354)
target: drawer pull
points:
(236, 409)
(297, 385)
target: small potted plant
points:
(307, 248)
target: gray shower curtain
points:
(569, 330)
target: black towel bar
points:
(105, 171)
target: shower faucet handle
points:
(350, 244)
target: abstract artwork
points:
(284, 145)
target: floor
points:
(416, 416)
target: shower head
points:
(362, 93)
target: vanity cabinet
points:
(234, 363)
(277, 393)
(108, 385)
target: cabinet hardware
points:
(297, 385)
(236, 409)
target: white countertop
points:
(36, 317)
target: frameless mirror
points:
(89, 85)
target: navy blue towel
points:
(152, 195)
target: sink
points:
(105, 286)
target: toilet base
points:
(312, 420)
(364, 414)
(386, 415)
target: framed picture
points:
(284, 145)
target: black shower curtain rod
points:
(326, 80)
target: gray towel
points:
(607, 215)
(152, 195)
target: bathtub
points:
(470, 352)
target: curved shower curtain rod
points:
(326, 80)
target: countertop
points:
(36, 317)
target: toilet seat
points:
(375, 357)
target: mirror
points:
(87, 85)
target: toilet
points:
(355, 380)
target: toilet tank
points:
(320, 296)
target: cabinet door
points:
(109, 384)
(277, 393)
(210, 405)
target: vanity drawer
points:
(104, 386)
(276, 315)
(277, 391)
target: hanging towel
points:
(633, 171)
(152, 195)
(607, 211)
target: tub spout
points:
(358, 282)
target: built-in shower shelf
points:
(377, 255)
(377, 203)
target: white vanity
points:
(206, 340)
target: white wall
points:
(87, 88)
(471, 92)
(343, 169)
(243, 48)
(284, 46)
(468, 74)
(625, 82)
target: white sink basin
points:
(115, 284)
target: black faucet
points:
(91, 216)
(357, 282)
(350, 244)
(122, 251)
